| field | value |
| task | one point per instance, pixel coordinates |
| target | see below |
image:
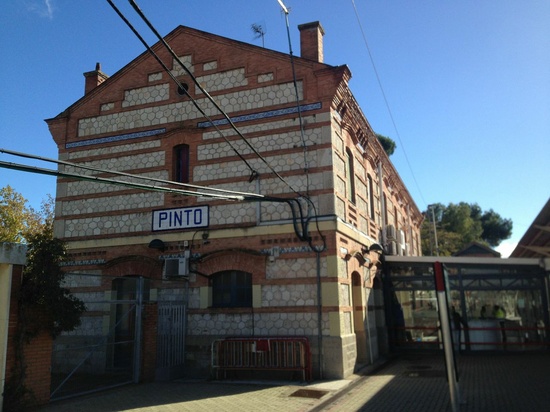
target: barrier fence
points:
(474, 338)
(261, 354)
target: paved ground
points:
(502, 382)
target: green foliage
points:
(460, 224)
(17, 219)
(44, 305)
(495, 228)
(42, 291)
(387, 143)
(12, 215)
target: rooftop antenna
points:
(258, 31)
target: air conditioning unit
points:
(176, 267)
(390, 232)
(392, 248)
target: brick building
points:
(251, 268)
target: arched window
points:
(370, 188)
(181, 163)
(350, 176)
(232, 289)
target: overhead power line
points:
(58, 173)
(181, 87)
(386, 100)
(138, 177)
(306, 165)
(203, 90)
(299, 220)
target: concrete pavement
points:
(490, 382)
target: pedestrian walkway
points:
(496, 382)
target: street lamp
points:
(435, 230)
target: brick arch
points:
(134, 265)
(355, 263)
(234, 259)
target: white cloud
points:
(43, 8)
(506, 247)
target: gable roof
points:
(536, 240)
(477, 249)
(172, 40)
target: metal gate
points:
(172, 324)
(104, 352)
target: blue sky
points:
(467, 82)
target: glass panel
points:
(415, 318)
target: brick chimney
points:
(311, 41)
(94, 78)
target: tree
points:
(459, 224)
(17, 219)
(42, 290)
(495, 228)
(43, 304)
(387, 143)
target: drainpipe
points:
(319, 314)
(368, 325)
(138, 333)
(382, 203)
(258, 204)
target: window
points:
(371, 197)
(350, 176)
(232, 289)
(181, 163)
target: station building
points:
(296, 255)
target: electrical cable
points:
(115, 172)
(386, 101)
(210, 98)
(294, 204)
(180, 86)
(57, 173)
(306, 164)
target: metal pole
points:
(137, 335)
(442, 302)
(319, 315)
(435, 231)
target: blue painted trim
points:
(263, 115)
(118, 138)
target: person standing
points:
(458, 323)
(500, 316)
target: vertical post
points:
(444, 319)
(435, 230)
(382, 205)
(137, 334)
(319, 315)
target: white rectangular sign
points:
(180, 218)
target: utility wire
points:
(57, 173)
(300, 229)
(180, 86)
(210, 98)
(139, 177)
(323, 246)
(306, 164)
(386, 100)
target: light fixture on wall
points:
(205, 236)
(157, 244)
(375, 247)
